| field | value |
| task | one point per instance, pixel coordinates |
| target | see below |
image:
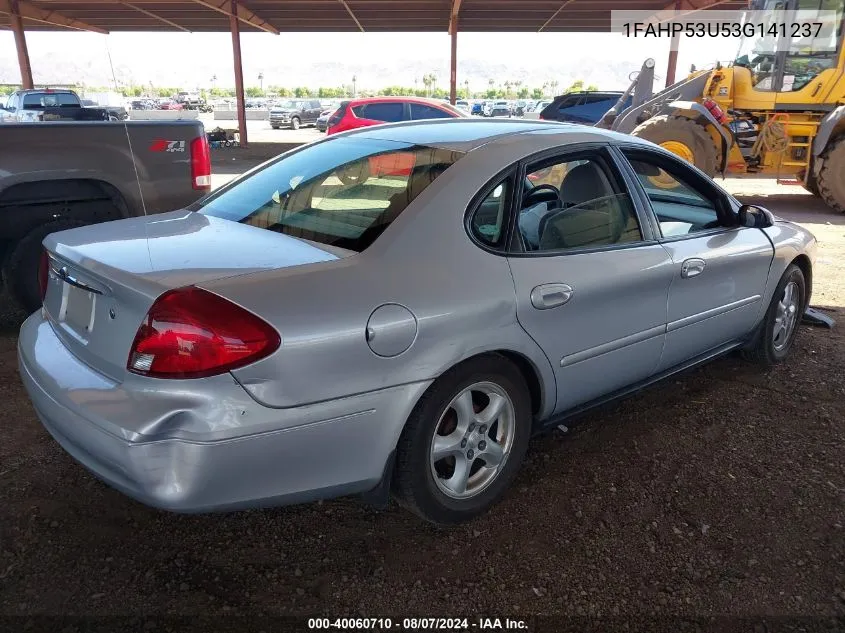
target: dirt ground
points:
(720, 493)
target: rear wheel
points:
(780, 325)
(831, 176)
(295, 123)
(684, 138)
(20, 268)
(464, 442)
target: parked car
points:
(581, 107)
(477, 108)
(375, 110)
(294, 113)
(499, 109)
(323, 122)
(71, 174)
(190, 100)
(47, 104)
(462, 105)
(115, 113)
(169, 104)
(624, 266)
(142, 104)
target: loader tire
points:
(684, 138)
(831, 176)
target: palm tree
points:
(354, 85)
(261, 81)
(554, 84)
(507, 88)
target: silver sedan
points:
(397, 310)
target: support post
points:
(673, 51)
(673, 62)
(20, 43)
(453, 76)
(239, 72)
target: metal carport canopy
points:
(276, 16)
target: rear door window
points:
(389, 112)
(423, 111)
(343, 193)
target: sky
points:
(190, 60)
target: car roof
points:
(468, 134)
(362, 100)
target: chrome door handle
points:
(692, 267)
(548, 296)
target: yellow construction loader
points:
(777, 111)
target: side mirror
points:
(755, 217)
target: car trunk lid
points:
(105, 277)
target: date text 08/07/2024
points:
(481, 625)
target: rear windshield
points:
(36, 101)
(343, 192)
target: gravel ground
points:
(719, 493)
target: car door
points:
(591, 281)
(720, 269)
(12, 106)
(421, 111)
(314, 111)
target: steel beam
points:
(235, 27)
(351, 14)
(31, 12)
(453, 34)
(555, 14)
(20, 43)
(239, 12)
(155, 16)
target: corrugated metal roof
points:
(341, 15)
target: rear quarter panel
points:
(118, 153)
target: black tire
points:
(831, 176)
(20, 267)
(295, 123)
(762, 349)
(663, 128)
(812, 184)
(414, 485)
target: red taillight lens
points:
(43, 274)
(192, 333)
(200, 163)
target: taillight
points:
(43, 274)
(192, 333)
(200, 163)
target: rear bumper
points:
(212, 447)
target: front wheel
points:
(464, 442)
(295, 123)
(777, 332)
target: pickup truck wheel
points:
(295, 123)
(464, 441)
(20, 267)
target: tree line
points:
(495, 90)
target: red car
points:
(170, 105)
(374, 110)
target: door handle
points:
(692, 267)
(547, 296)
